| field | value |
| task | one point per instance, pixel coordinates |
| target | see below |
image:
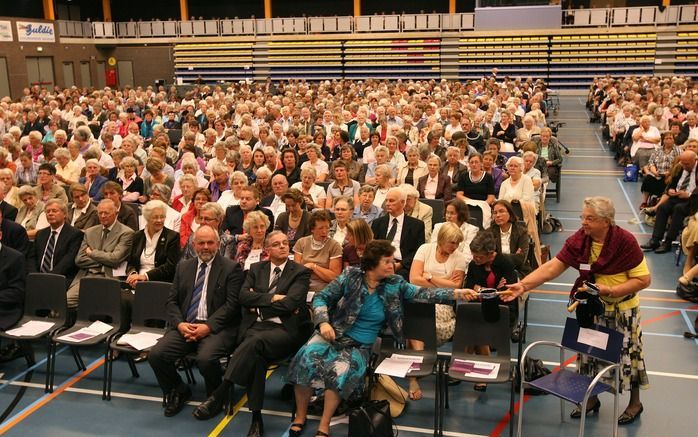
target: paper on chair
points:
(394, 367)
(31, 328)
(99, 327)
(410, 358)
(88, 332)
(592, 337)
(140, 341)
(120, 270)
(476, 369)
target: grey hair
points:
(270, 235)
(255, 217)
(164, 190)
(401, 193)
(602, 207)
(151, 206)
(515, 160)
(215, 208)
(409, 190)
(60, 202)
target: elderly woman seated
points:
(413, 169)
(250, 248)
(518, 186)
(173, 218)
(457, 212)
(550, 150)
(434, 185)
(382, 158)
(313, 195)
(383, 182)
(318, 252)
(30, 212)
(231, 196)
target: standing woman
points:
(608, 255)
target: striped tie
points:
(47, 262)
(196, 294)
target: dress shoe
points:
(577, 412)
(663, 248)
(256, 428)
(209, 408)
(176, 401)
(650, 245)
(627, 418)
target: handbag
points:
(533, 369)
(385, 388)
(371, 419)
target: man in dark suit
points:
(55, 248)
(204, 312)
(404, 232)
(275, 323)
(8, 211)
(82, 214)
(12, 277)
(235, 215)
(14, 235)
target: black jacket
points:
(64, 253)
(167, 254)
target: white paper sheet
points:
(100, 327)
(31, 328)
(140, 341)
(394, 367)
(95, 329)
(309, 297)
(410, 358)
(593, 338)
(120, 270)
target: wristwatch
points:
(428, 276)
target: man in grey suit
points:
(204, 314)
(105, 248)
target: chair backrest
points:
(45, 296)
(591, 341)
(419, 323)
(473, 330)
(149, 304)
(476, 216)
(100, 299)
(518, 210)
(438, 206)
(175, 136)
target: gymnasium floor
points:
(76, 407)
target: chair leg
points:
(48, 364)
(437, 396)
(132, 365)
(444, 397)
(107, 373)
(52, 372)
(511, 407)
(78, 359)
(521, 406)
(444, 382)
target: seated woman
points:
(131, 183)
(354, 168)
(156, 169)
(510, 235)
(439, 264)
(189, 223)
(530, 170)
(359, 234)
(550, 150)
(350, 315)
(383, 182)
(155, 250)
(250, 248)
(382, 158)
(30, 211)
(457, 212)
(343, 208)
(313, 195)
(295, 221)
(434, 185)
(263, 182)
(518, 186)
(231, 197)
(187, 186)
(413, 169)
(476, 183)
(314, 161)
(318, 252)
(527, 132)
(505, 132)
(173, 219)
(498, 175)
(489, 269)
(290, 166)
(658, 168)
(93, 179)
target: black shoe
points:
(663, 248)
(650, 245)
(11, 352)
(176, 401)
(257, 427)
(296, 432)
(516, 335)
(577, 412)
(143, 356)
(627, 418)
(209, 408)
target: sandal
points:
(627, 418)
(480, 387)
(321, 434)
(685, 280)
(296, 432)
(415, 392)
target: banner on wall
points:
(31, 31)
(5, 31)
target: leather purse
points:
(371, 419)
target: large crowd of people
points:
(248, 196)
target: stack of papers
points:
(140, 341)
(476, 369)
(31, 328)
(399, 365)
(95, 329)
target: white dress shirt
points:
(396, 239)
(148, 254)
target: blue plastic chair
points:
(571, 386)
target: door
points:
(40, 71)
(85, 74)
(125, 73)
(68, 75)
(101, 75)
(4, 78)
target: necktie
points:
(47, 262)
(105, 233)
(392, 231)
(196, 294)
(685, 182)
(274, 280)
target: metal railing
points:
(603, 17)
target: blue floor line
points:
(652, 334)
(29, 369)
(641, 306)
(28, 407)
(632, 208)
(690, 325)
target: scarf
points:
(620, 253)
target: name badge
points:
(585, 267)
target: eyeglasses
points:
(588, 218)
(278, 244)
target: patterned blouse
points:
(663, 160)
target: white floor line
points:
(630, 204)
(600, 142)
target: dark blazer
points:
(67, 247)
(95, 191)
(8, 211)
(86, 220)
(294, 283)
(411, 238)
(14, 236)
(519, 239)
(167, 253)
(294, 177)
(502, 267)
(222, 291)
(127, 217)
(234, 217)
(443, 187)
(12, 277)
(456, 174)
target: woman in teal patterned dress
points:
(349, 313)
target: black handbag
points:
(533, 369)
(371, 419)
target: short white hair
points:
(409, 190)
(399, 191)
(151, 206)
